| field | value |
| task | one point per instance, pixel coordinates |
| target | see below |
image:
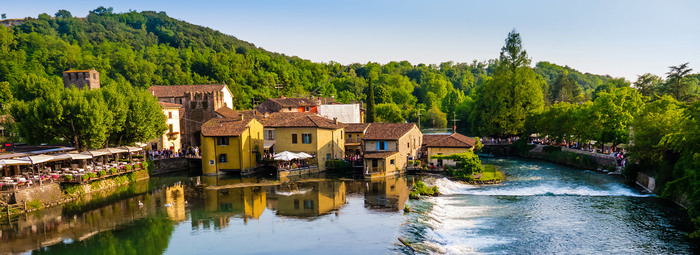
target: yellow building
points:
(171, 138)
(231, 145)
(388, 147)
(446, 145)
(354, 133)
(309, 133)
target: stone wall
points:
(45, 193)
(647, 182)
(199, 107)
(168, 165)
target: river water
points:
(541, 208)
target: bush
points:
(147, 165)
(35, 204)
(128, 167)
(92, 175)
(339, 165)
(102, 173)
(85, 177)
(113, 170)
(419, 188)
(68, 177)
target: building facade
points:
(288, 104)
(443, 144)
(199, 103)
(388, 147)
(231, 145)
(346, 113)
(82, 79)
(354, 133)
(171, 138)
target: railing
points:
(374, 169)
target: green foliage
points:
(564, 89)
(102, 173)
(92, 174)
(420, 189)
(388, 112)
(68, 177)
(468, 164)
(491, 174)
(148, 164)
(370, 112)
(501, 105)
(339, 165)
(112, 170)
(128, 167)
(34, 204)
(85, 177)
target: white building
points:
(346, 113)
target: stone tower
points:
(82, 79)
(199, 107)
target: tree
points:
(657, 119)
(614, 113)
(369, 113)
(468, 164)
(5, 96)
(677, 84)
(564, 89)
(436, 118)
(3, 16)
(515, 91)
(388, 112)
(63, 14)
(648, 84)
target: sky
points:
(619, 38)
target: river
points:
(541, 208)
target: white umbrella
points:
(286, 156)
(303, 155)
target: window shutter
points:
(386, 145)
(310, 138)
(378, 145)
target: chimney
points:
(335, 121)
(242, 117)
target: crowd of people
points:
(168, 153)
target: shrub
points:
(419, 188)
(128, 167)
(113, 170)
(85, 176)
(68, 177)
(35, 204)
(102, 173)
(92, 175)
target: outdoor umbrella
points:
(304, 155)
(286, 156)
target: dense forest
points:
(502, 97)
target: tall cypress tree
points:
(369, 114)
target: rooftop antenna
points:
(454, 122)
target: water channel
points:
(542, 208)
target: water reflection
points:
(308, 198)
(386, 193)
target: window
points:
(307, 109)
(222, 141)
(223, 158)
(296, 204)
(391, 162)
(294, 138)
(171, 127)
(328, 156)
(305, 138)
(381, 145)
(270, 135)
(211, 162)
(308, 204)
(94, 76)
(170, 115)
(349, 136)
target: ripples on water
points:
(543, 208)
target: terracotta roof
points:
(79, 71)
(300, 119)
(169, 105)
(455, 140)
(179, 90)
(225, 127)
(387, 131)
(356, 127)
(293, 101)
(379, 154)
(229, 113)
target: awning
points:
(73, 156)
(132, 149)
(268, 144)
(286, 156)
(13, 162)
(96, 153)
(37, 159)
(114, 150)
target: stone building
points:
(384, 150)
(82, 79)
(199, 104)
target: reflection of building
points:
(82, 79)
(390, 193)
(231, 145)
(175, 202)
(446, 145)
(199, 103)
(309, 133)
(389, 146)
(222, 204)
(310, 198)
(171, 137)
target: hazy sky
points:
(620, 38)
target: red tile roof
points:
(455, 140)
(179, 90)
(225, 127)
(356, 127)
(293, 101)
(300, 119)
(379, 154)
(387, 131)
(169, 105)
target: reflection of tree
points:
(146, 236)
